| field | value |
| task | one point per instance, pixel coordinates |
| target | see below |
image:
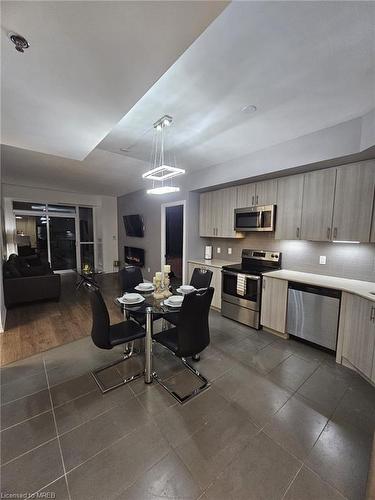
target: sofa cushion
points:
(10, 270)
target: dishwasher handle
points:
(317, 290)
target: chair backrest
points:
(100, 318)
(201, 278)
(193, 329)
(130, 277)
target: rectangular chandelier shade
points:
(163, 190)
(163, 172)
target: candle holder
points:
(157, 281)
(166, 292)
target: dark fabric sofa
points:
(29, 280)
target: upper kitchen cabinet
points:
(216, 217)
(372, 237)
(246, 195)
(352, 212)
(266, 192)
(317, 206)
(206, 222)
(289, 207)
(257, 193)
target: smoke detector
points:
(19, 41)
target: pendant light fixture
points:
(163, 166)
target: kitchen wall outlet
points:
(229, 251)
(218, 250)
(322, 259)
(148, 269)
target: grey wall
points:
(356, 261)
(149, 206)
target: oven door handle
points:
(247, 276)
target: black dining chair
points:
(189, 337)
(106, 336)
(201, 278)
(130, 277)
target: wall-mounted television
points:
(134, 225)
(134, 256)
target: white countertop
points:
(213, 262)
(361, 288)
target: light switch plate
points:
(218, 250)
(322, 259)
(229, 251)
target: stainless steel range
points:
(242, 285)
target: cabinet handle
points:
(335, 233)
(264, 284)
(372, 315)
(297, 232)
(252, 200)
(257, 199)
(328, 233)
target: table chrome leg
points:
(148, 346)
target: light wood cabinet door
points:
(266, 192)
(357, 327)
(372, 237)
(317, 205)
(216, 283)
(205, 222)
(226, 202)
(354, 197)
(289, 207)
(246, 195)
(274, 304)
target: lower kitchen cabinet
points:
(357, 333)
(274, 304)
(216, 281)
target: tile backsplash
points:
(356, 261)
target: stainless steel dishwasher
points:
(313, 314)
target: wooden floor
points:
(37, 327)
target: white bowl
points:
(131, 297)
(175, 299)
(145, 286)
(186, 288)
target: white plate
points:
(150, 288)
(127, 303)
(171, 304)
(184, 292)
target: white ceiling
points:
(305, 65)
(87, 65)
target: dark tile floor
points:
(280, 420)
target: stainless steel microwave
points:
(258, 218)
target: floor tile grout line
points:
(325, 481)
(292, 481)
(25, 420)
(107, 410)
(58, 438)
(28, 451)
(109, 446)
(25, 396)
(45, 486)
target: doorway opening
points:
(173, 240)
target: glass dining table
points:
(150, 308)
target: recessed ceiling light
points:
(125, 150)
(249, 108)
(19, 41)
